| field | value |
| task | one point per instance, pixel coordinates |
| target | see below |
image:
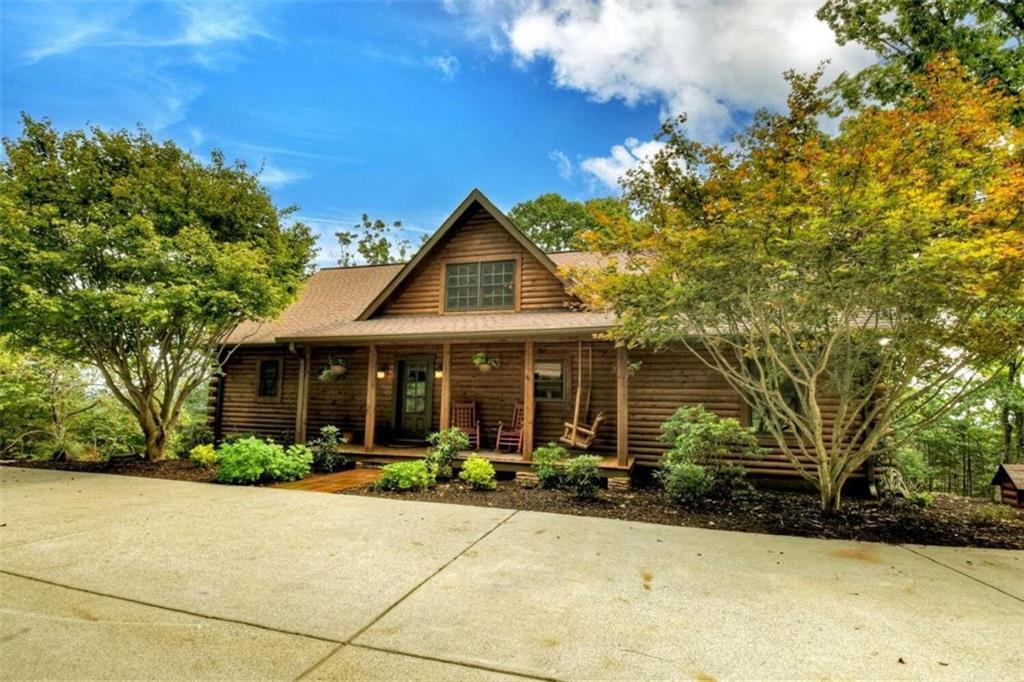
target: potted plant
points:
(336, 367)
(484, 363)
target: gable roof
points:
(329, 295)
(1014, 473)
(475, 197)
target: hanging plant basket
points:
(484, 363)
(335, 369)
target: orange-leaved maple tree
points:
(850, 285)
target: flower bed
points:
(953, 521)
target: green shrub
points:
(685, 481)
(695, 464)
(730, 480)
(549, 464)
(444, 445)
(326, 458)
(696, 435)
(251, 460)
(581, 476)
(190, 436)
(203, 456)
(922, 500)
(414, 475)
(478, 473)
(296, 463)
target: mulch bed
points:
(175, 469)
(952, 521)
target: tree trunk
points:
(830, 492)
(156, 437)
(1020, 437)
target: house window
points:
(269, 379)
(549, 380)
(489, 285)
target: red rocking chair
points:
(510, 436)
(464, 419)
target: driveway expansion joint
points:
(463, 664)
(164, 607)
(963, 573)
(398, 601)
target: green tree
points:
(376, 243)
(51, 407)
(134, 257)
(876, 268)
(554, 223)
(987, 36)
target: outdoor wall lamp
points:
(438, 373)
(382, 372)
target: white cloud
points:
(210, 22)
(200, 27)
(709, 60)
(563, 163)
(706, 59)
(195, 134)
(446, 65)
(610, 169)
(275, 177)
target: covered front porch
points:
(393, 393)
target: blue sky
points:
(399, 109)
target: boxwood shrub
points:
(549, 464)
(581, 476)
(478, 473)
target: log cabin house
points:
(408, 333)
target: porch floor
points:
(502, 461)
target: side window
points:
(549, 380)
(268, 384)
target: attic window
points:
(488, 285)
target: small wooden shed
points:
(1010, 479)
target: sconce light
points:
(382, 372)
(438, 373)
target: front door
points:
(413, 394)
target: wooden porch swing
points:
(576, 435)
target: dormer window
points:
(486, 285)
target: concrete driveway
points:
(113, 577)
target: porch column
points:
(371, 398)
(622, 406)
(302, 400)
(446, 385)
(528, 404)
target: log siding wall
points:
(241, 410)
